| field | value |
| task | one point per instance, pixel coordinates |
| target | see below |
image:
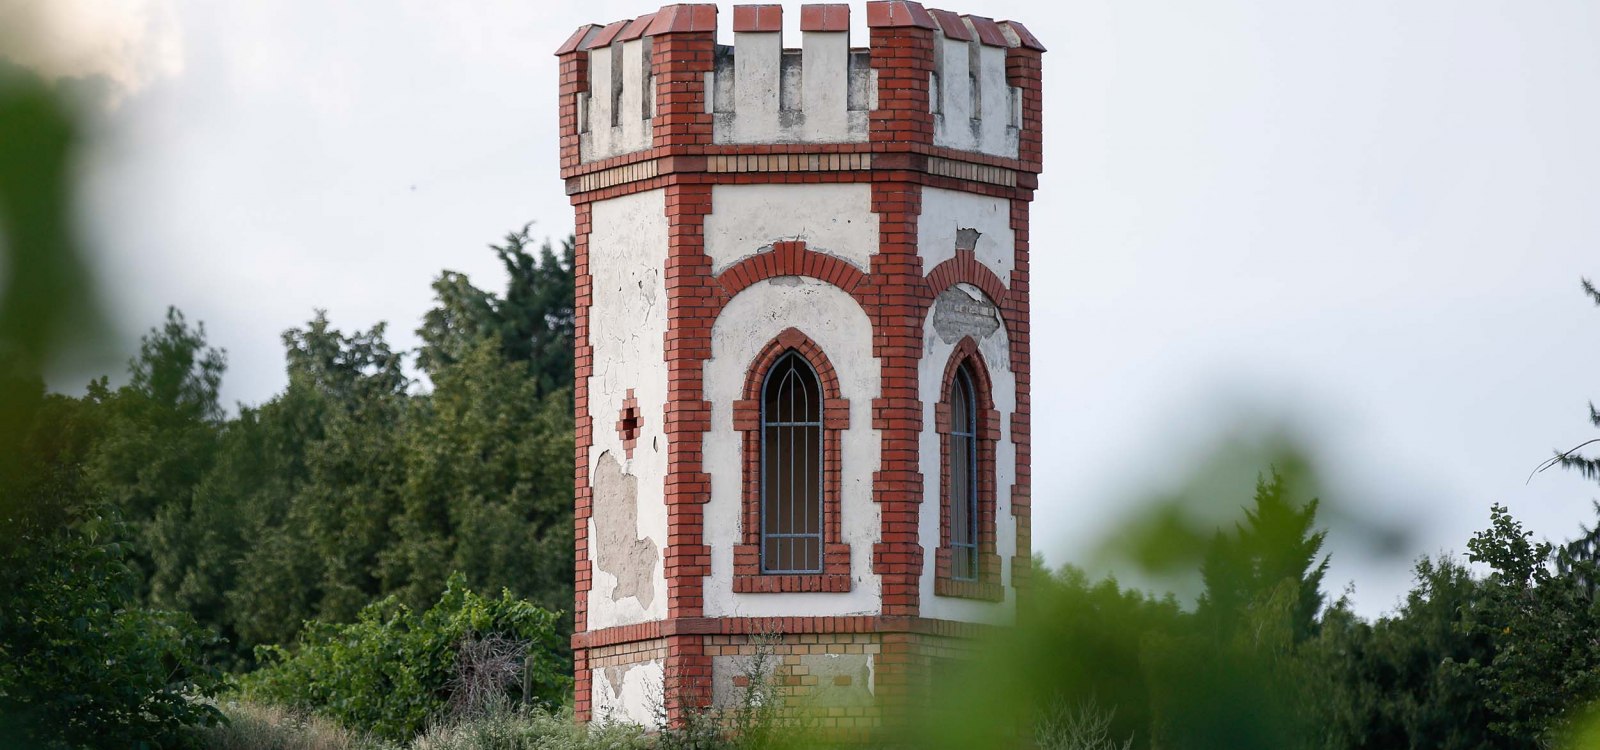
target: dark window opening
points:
(791, 468)
(963, 462)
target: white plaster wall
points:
(755, 86)
(627, 328)
(947, 212)
(825, 86)
(639, 701)
(996, 352)
(953, 128)
(632, 132)
(832, 219)
(837, 324)
(821, 112)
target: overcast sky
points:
(1363, 221)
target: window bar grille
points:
(791, 469)
(964, 479)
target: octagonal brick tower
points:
(802, 350)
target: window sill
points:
(769, 583)
(986, 587)
(988, 591)
(748, 578)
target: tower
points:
(802, 349)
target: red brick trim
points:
(898, 13)
(888, 153)
(988, 31)
(1025, 38)
(825, 17)
(1016, 309)
(987, 586)
(629, 422)
(683, 18)
(835, 575)
(698, 626)
(965, 268)
(748, 18)
(583, 439)
(792, 259)
(950, 23)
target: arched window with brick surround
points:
(791, 417)
(966, 563)
(791, 468)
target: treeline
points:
(356, 482)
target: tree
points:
(158, 438)
(1276, 543)
(532, 321)
(488, 488)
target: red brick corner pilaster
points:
(901, 53)
(583, 439)
(987, 585)
(747, 574)
(683, 46)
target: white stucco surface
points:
(627, 328)
(832, 219)
(991, 127)
(638, 702)
(825, 87)
(838, 325)
(995, 350)
(755, 86)
(946, 212)
(762, 105)
(633, 131)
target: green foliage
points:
(487, 485)
(532, 321)
(81, 663)
(1243, 570)
(252, 726)
(389, 671)
(514, 728)
(78, 664)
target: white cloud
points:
(127, 43)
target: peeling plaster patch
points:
(616, 675)
(618, 548)
(959, 312)
(951, 218)
(967, 238)
(786, 281)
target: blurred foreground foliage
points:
(391, 671)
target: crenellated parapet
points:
(760, 91)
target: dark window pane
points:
(791, 468)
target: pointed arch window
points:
(792, 418)
(963, 461)
(791, 468)
(966, 562)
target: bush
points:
(391, 671)
(80, 665)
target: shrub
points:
(391, 671)
(80, 665)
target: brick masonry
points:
(898, 160)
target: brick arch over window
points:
(986, 584)
(965, 268)
(793, 259)
(747, 570)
